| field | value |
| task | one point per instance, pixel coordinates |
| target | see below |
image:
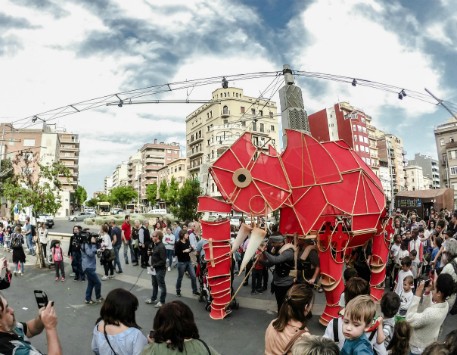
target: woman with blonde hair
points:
(290, 325)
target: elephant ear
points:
(307, 162)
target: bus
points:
(103, 208)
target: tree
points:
(104, 198)
(123, 194)
(92, 202)
(151, 193)
(186, 208)
(163, 188)
(80, 195)
(41, 191)
(172, 193)
(6, 174)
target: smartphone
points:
(41, 298)
(427, 283)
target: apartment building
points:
(46, 145)
(176, 169)
(414, 178)
(216, 125)
(392, 156)
(108, 184)
(350, 124)
(430, 169)
(120, 175)
(446, 146)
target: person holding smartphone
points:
(14, 335)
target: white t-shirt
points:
(401, 255)
(107, 241)
(405, 299)
(43, 236)
(401, 276)
(395, 250)
(169, 241)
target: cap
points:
(276, 238)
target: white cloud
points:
(344, 41)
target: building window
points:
(355, 138)
(272, 128)
(261, 127)
(253, 111)
(242, 109)
(271, 114)
(260, 113)
(451, 140)
(243, 123)
(225, 110)
(453, 170)
(442, 141)
(29, 142)
(225, 121)
(254, 126)
(453, 154)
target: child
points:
(390, 304)
(436, 249)
(57, 256)
(358, 315)
(407, 295)
(395, 250)
(405, 271)
(348, 274)
(414, 266)
(356, 286)
(7, 238)
(257, 272)
(399, 345)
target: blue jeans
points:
(170, 254)
(30, 244)
(182, 268)
(128, 245)
(92, 281)
(158, 282)
(116, 259)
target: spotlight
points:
(34, 119)
(121, 103)
(400, 95)
(354, 82)
(403, 92)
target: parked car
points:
(118, 211)
(47, 219)
(81, 216)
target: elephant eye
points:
(242, 178)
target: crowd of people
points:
(420, 289)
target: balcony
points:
(73, 157)
(195, 141)
(225, 113)
(451, 145)
(194, 154)
(194, 168)
(68, 148)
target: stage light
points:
(354, 82)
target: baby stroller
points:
(202, 274)
(50, 258)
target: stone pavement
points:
(240, 333)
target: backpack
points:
(15, 241)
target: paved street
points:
(240, 333)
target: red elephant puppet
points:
(323, 191)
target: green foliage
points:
(163, 188)
(92, 202)
(80, 195)
(41, 193)
(172, 193)
(122, 195)
(6, 174)
(151, 193)
(186, 208)
(104, 198)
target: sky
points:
(55, 53)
